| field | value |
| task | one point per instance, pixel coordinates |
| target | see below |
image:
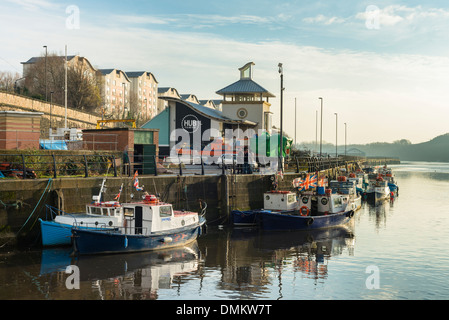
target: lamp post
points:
(295, 122)
(282, 138)
(45, 73)
(336, 135)
(321, 127)
(123, 88)
(51, 108)
(345, 138)
(316, 131)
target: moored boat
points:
(377, 190)
(147, 225)
(98, 215)
(274, 200)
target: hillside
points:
(436, 149)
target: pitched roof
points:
(35, 59)
(108, 71)
(210, 113)
(135, 74)
(245, 86)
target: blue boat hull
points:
(55, 234)
(102, 242)
(283, 221)
(58, 234)
(246, 218)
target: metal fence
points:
(28, 166)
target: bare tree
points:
(8, 79)
(82, 88)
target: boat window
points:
(128, 212)
(165, 211)
(105, 211)
(337, 202)
(95, 210)
(291, 198)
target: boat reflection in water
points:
(253, 260)
(126, 276)
(225, 262)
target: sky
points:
(382, 66)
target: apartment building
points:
(143, 95)
(115, 92)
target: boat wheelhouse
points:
(147, 225)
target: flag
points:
(136, 183)
(297, 182)
(322, 182)
(280, 173)
(119, 192)
(309, 182)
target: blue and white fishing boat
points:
(307, 209)
(388, 175)
(274, 200)
(377, 190)
(99, 214)
(146, 225)
(336, 212)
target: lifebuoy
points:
(301, 211)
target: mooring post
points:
(155, 164)
(54, 165)
(23, 167)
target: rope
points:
(29, 217)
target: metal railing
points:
(28, 166)
(32, 166)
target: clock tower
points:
(247, 100)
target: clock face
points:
(242, 113)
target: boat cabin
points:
(332, 203)
(323, 202)
(280, 201)
(148, 217)
(109, 208)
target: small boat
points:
(378, 190)
(387, 174)
(275, 200)
(336, 212)
(99, 214)
(147, 225)
(350, 188)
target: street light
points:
(45, 73)
(336, 135)
(321, 127)
(51, 107)
(345, 139)
(316, 131)
(282, 138)
(295, 122)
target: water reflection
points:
(123, 276)
(249, 262)
(379, 212)
(252, 260)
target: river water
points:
(395, 251)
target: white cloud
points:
(323, 20)
(399, 93)
(397, 14)
(34, 4)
